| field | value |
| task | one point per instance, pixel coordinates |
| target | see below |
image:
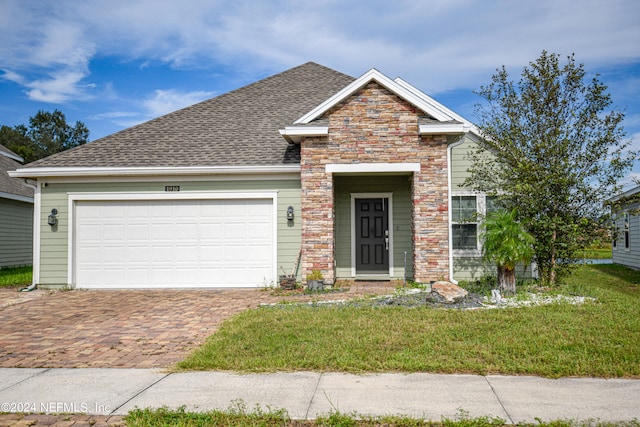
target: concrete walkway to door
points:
(125, 328)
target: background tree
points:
(48, 133)
(16, 140)
(553, 152)
(506, 243)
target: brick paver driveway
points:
(122, 328)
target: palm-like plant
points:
(506, 244)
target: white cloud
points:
(61, 87)
(439, 45)
(113, 115)
(166, 101)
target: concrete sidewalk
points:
(308, 394)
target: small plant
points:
(315, 281)
(315, 275)
(506, 244)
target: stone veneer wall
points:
(376, 126)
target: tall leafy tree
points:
(506, 243)
(553, 151)
(48, 133)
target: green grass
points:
(591, 340)
(235, 417)
(597, 253)
(15, 276)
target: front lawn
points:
(595, 339)
(15, 276)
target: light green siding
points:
(460, 163)
(628, 255)
(400, 186)
(473, 268)
(54, 240)
(16, 233)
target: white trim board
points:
(372, 167)
(149, 171)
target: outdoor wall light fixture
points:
(52, 220)
(290, 213)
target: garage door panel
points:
(186, 232)
(210, 231)
(91, 231)
(174, 243)
(161, 254)
(138, 254)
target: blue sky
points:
(112, 64)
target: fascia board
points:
(11, 156)
(17, 197)
(149, 171)
(451, 115)
(383, 80)
(443, 129)
(436, 105)
(304, 131)
(632, 192)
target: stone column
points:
(317, 211)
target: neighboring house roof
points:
(621, 196)
(12, 188)
(238, 128)
(4, 151)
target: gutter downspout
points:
(36, 219)
(449, 148)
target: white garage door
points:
(174, 243)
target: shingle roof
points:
(13, 186)
(238, 128)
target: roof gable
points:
(406, 92)
(440, 120)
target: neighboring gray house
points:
(354, 174)
(626, 228)
(16, 214)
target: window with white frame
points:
(464, 222)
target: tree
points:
(506, 243)
(553, 152)
(16, 140)
(48, 133)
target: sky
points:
(113, 64)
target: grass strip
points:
(238, 416)
(15, 276)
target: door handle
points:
(386, 242)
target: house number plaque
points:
(171, 188)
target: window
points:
(464, 222)
(626, 230)
(614, 231)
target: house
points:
(360, 177)
(625, 231)
(16, 214)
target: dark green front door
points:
(372, 236)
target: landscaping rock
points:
(448, 292)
